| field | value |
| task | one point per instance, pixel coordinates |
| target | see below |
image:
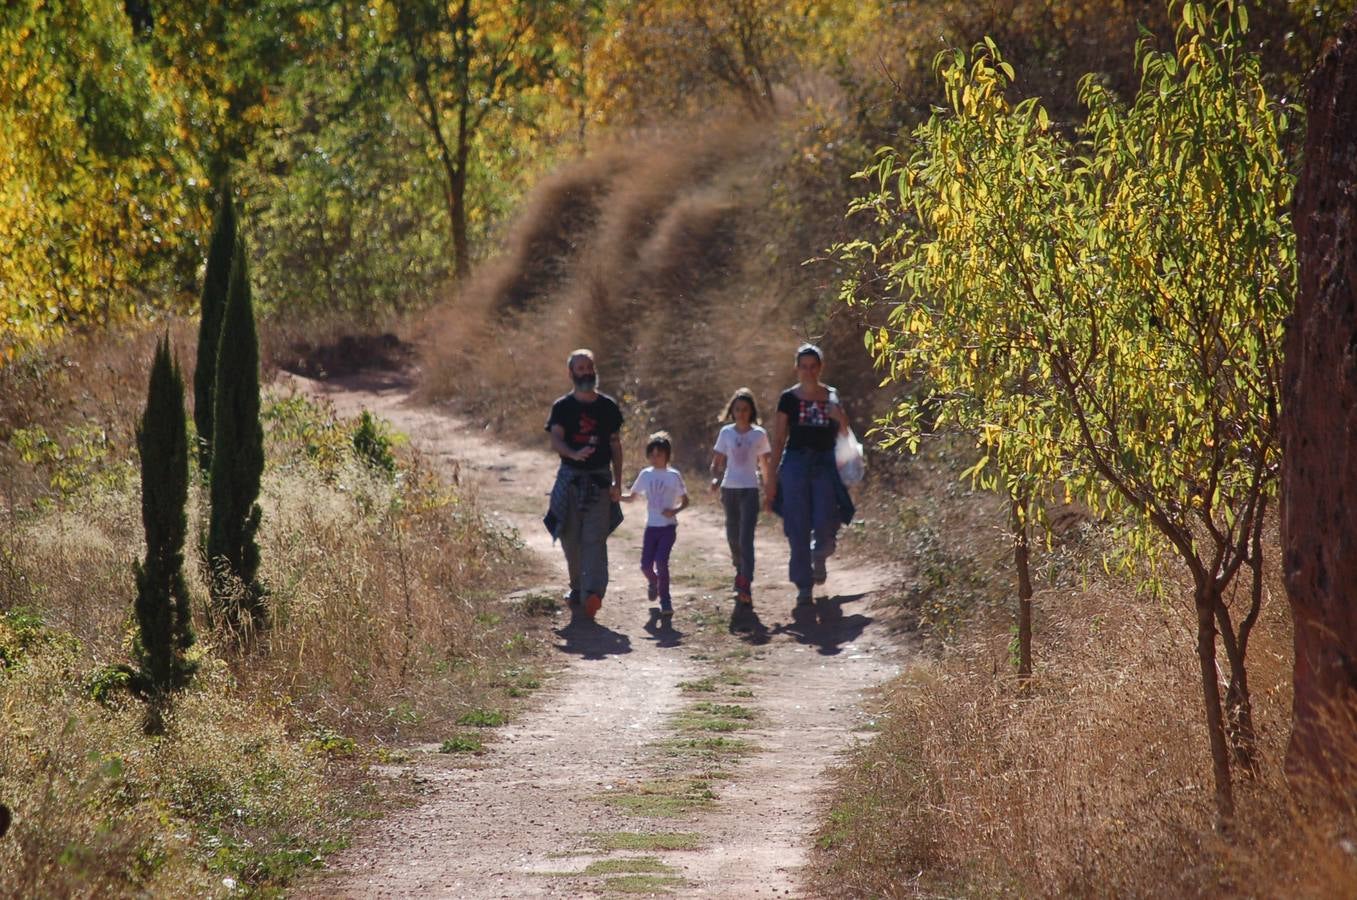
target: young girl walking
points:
(741, 454)
(666, 497)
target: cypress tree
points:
(216, 284)
(237, 459)
(165, 630)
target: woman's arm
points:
(836, 411)
(770, 479)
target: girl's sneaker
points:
(820, 572)
(666, 609)
(652, 590)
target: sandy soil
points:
(530, 817)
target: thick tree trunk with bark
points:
(1319, 426)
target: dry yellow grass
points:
(386, 625)
(678, 258)
(1096, 782)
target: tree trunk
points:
(1239, 710)
(1206, 600)
(457, 207)
(1319, 425)
(1021, 556)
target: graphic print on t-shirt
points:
(587, 433)
(814, 413)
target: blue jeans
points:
(584, 528)
(808, 490)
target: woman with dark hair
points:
(741, 454)
(806, 489)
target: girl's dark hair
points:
(809, 350)
(660, 439)
(745, 394)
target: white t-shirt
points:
(742, 452)
(663, 488)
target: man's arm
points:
(615, 443)
(560, 446)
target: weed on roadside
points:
(462, 743)
(482, 718)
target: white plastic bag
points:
(848, 457)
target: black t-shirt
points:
(587, 424)
(809, 426)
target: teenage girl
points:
(741, 454)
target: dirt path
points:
(686, 760)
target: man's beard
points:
(586, 383)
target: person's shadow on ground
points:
(824, 626)
(746, 625)
(662, 630)
(590, 640)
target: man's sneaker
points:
(592, 604)
(571, 598)
(819, 571)
(666, 609)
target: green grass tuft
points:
(462, 743)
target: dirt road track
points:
(523, 820)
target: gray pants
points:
(584, 529)
(742, 514)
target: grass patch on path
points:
(664, 798)
(645, 840)
(643, 884)
(629, 866)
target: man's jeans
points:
(584, 528)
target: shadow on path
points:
(662, 630)
(746, 625)
(824, 626)
(590, 640)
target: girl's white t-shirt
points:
(663, 488)
(742, 452)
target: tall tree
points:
(1141, 280)
(461, 62)
(164, 620)
(1319, 428)
(216, 286)
(237, 461)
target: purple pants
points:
(655, 547)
